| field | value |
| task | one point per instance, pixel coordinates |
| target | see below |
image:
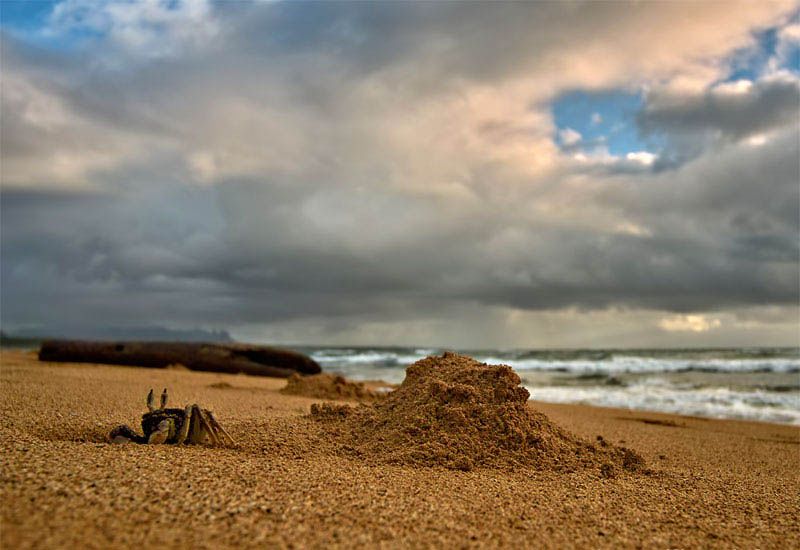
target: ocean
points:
(753, 384)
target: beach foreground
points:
(709, 482)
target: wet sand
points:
(712, 483)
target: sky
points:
(513, 175)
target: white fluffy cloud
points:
(568, 136)
(642, 157)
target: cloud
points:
(788, 41)
(642, 157)
(351, 172)
(735, 110)
(689, 323)
(149, 28)
(729, 111)
(569, 137)
(60, 130)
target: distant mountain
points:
(17, 342)
(152, 333)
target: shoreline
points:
(715, 482)
(645, 415)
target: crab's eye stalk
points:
(151, 401)
(164, 399)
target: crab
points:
(173, 426)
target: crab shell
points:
(152, 420)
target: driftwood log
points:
(228, 358)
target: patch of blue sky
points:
(29, 21)
(792, 55)
(603, 119)
(751, 62)
(25, 15)
(793, 59)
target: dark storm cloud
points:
(263, 260)
(692, 122)
(765, 105)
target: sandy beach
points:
(708, 483)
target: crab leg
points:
(195, 428)
(187, 418)
(206, 427)
(217, 426)
(123, 434)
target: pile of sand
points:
(455, 412)
(328, 386)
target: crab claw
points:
(123, 434)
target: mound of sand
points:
(328, 386)
(455, 412)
